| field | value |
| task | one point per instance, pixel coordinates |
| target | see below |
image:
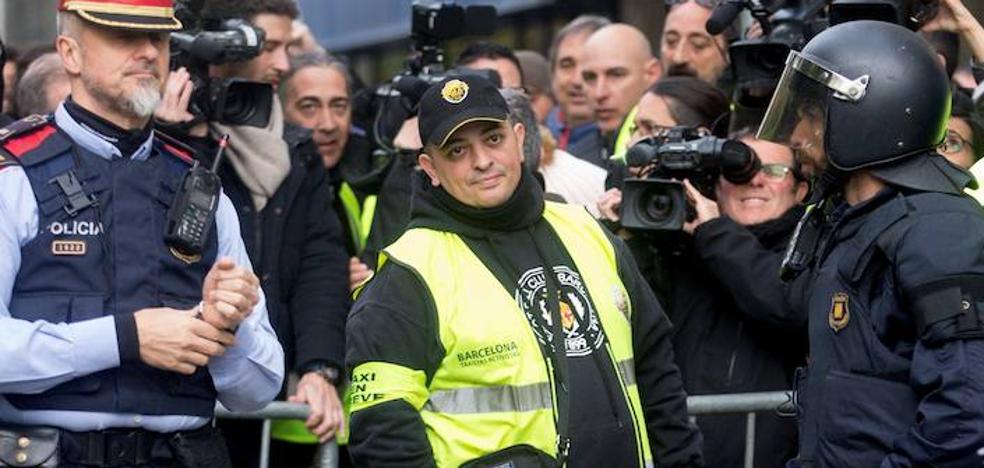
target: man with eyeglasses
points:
(686, 48)
(735, 332)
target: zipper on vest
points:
(553, 402)
(607, 380)
(636, 419)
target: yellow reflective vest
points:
(494, 387)
(977, 170)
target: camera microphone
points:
(723, 16)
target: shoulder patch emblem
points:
(840, 313)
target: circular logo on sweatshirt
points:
(582, 330)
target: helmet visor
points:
(797, 114)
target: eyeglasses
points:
(776, 172)
(954, 143)
(709, 4)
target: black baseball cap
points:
(455, 101)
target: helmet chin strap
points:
(830, 181)
(802, 249)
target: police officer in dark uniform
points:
(114, 344)
(893, 254)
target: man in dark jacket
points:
(372, 189)
(453, 345)
(276, 181)
(735, 330)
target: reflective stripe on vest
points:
(359, 217)
(491, 399)
(493, 388)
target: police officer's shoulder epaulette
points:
(21, 138)
(175, 148)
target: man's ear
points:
(427, 164)
(70, 53)
(520, 130)
(653, 70)
(802, 188)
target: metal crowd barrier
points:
(749, 403)
(328, 452)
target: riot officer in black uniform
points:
(894, 252)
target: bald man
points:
(617, 65)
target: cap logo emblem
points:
(454, 91)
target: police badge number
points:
(840, 313)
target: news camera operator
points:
(106, 358)
(735, 331)
(278, 184)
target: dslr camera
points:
(658, 202)
(214, 42)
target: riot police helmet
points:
(860, 94)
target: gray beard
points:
(141, 103)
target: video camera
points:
(659, 203)
(385, 108)
(912, 14)
(757, 64)
(431, 25)
(214, 42)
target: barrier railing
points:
(327, 456)
(749, 403)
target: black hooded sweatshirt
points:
(394, 321)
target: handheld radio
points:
(189, 220)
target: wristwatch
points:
(327, 372)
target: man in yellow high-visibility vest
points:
(501, 328)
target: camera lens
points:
(658, 207)
(238, 107)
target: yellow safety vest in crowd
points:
(360, 223)
(624, 136)
(493, 388)
(359, 217)
(978, 171)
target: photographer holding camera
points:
(734, 331)
(276, 180)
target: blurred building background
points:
(374, 34)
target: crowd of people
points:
(462, 292)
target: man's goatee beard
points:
(144, 99)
